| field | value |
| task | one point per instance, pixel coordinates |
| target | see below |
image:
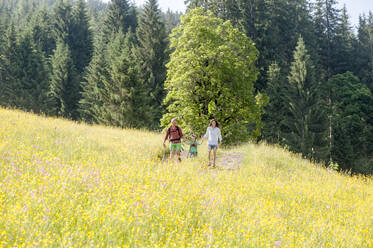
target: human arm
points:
(206, 134)
(166, 137)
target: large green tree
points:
(211, 74)
(81, 37)
(64, 87)
(351, 113)
(152, 54)
(123, 96)
(306, 120)
(120, 16)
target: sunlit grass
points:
(69, 185)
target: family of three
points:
(213, 136)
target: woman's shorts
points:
(175, 146)
(211, 147)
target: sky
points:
(354, 7)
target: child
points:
(193, 149)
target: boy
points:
(193, 148)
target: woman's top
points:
(213, 134)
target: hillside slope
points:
(63, 184)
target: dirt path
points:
(224, 161)
(230, 160)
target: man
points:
(175, 134)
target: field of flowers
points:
(64, 184)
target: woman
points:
(214, 137)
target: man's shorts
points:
(175, 146)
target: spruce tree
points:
(33, 76)
(64, 87)
(8, 68)
(90, 105)
(41, 30)
(120, 16)
(341, 55)
(305, 123)
(274, 112)
(81, 37)
(351, 112)
(152, 54)
(364, 50)
(123, 97)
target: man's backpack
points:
(178, 131)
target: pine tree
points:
(8, 68)
(82, 39)
(63, 21)
(33, 76)
(123, 97)
(119, 18)
(306, 118)
(64, 87)
(274, 111)
(153, 54)
(41, 30)
(364, 50)
(341, 55)
(351, 112)
(327, 19)
(90, 105)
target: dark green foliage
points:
(90, 105)
(64, 86)
(306, 122)
(120, 16)
(351, 114)
(41, 31)
(274, 115)
(364, 51)
(81, 37)
(152, 54)
(8, 67)
(23, 73)
(123, 97)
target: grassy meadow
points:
(64, 184)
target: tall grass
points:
(64, 184)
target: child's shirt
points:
(193, 146)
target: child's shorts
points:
(193, 154)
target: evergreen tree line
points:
(317, 72)
(85, 60)
(105, 63)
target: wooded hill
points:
(106, 63)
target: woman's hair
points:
(216, 122)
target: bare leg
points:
(209, 155)
(215, 149)
(178, 155)
(172, 154)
